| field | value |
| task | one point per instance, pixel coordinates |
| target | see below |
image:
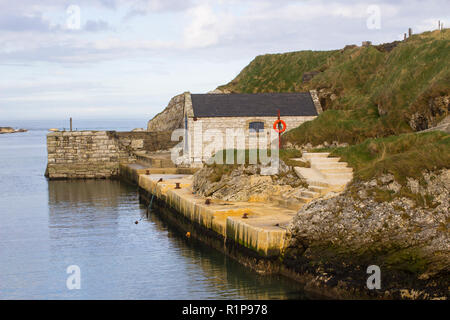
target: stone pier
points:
(98, 154)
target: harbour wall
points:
(97, 154)
(221, 225)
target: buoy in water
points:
(136, 222)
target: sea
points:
(79, 239)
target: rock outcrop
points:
(171, 117)
(387, 47)
(430, 112)
(7, 130)
(402, 229)
(444, 126)
(11, 130)
(244, 183)
(327, 97)
(307, 76)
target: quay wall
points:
(97, 154)
(220, 225)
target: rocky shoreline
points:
(336, 239)
(4, 130)
(403, 229)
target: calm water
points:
(46, 226)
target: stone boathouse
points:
(248, 115)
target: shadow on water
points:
(225, 273)
(100, 216)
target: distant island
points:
(11, 130)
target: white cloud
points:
(203, 29)
(174, 45)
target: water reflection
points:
(87, 193)
(225, 275)
(91, 224)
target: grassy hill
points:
(367, 92)
(374, 99)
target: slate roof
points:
(253, 105)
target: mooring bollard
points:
(245, 215)
(177, 185)
(207, 201)
(147, 172)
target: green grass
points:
(351, 126)
(406, 155)
(377, 91)
(409, 259)
(278, 72)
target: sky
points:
(125, 59)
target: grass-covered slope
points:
(375, 93)
(278, 72)
(406, 155)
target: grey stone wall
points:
(223, 123)
(97, 154)
(84, 154)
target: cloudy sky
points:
(126, 58)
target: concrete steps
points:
(324, 160)
(310, 175)
(326, 165)
(325, 174)
(338, 175)
(335, 170)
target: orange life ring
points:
(275, 126)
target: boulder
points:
(407, 238)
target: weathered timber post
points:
(71, 124)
